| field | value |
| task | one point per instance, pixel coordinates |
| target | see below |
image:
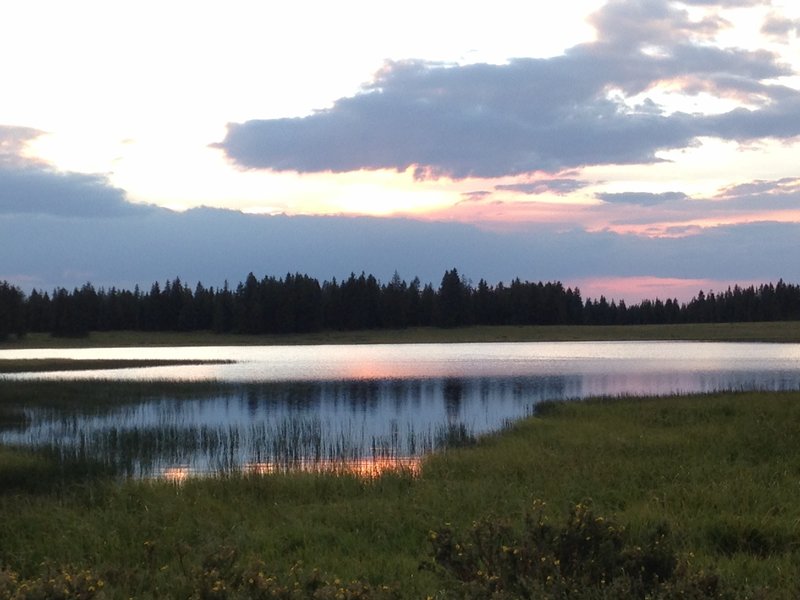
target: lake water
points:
(290, 405)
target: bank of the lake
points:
(69, 364)
(722, 471)
(773, 331)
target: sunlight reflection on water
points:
(410, 361)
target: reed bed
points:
(109, 429)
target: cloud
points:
(530, 115)
(633, 23)
(726, 3)
(642, 198)
(212, 245)
(544, 186)
(675, 214)
(784, 186)
(13, 140)
(779, 27)
(38, 191)
(29, 186)
(476, 196)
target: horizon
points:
(642, 286)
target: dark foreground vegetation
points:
(301, 304)
(692, 497)
(762, 331)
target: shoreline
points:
(44, 365)
(773, 331)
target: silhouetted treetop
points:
(300, 303)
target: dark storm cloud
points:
(535, 114)
(30, 187)
(641, 198)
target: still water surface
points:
(293, 404)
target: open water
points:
(284, 406)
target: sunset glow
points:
(636, 289)
(365, 468)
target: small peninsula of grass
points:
(36, 365)
(717, 475)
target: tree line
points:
(298, 303)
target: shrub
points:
(223, 578)
(589, 557)
(64, 583)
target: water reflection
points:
(387, 362)
(364, 468)
(292, 425)
(284, 425)
(278, 413)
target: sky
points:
(633, 148)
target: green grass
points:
(767, 332)
(723, 471)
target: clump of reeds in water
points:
(291, 444)
(13, 419)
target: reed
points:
(132, 429)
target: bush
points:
(222, 577)
(64, 583)
(589, 557)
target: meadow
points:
(774, 331)
(700, 491)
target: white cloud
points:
(29, 187)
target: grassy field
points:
(722, 472)
(735, 332)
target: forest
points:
(298, 303)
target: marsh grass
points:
(722, 472)
(93, 429)
(292, 443)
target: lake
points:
(283, 407)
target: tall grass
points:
(722, 472)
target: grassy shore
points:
(19, 365)
(721, 471)
(729, 332)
